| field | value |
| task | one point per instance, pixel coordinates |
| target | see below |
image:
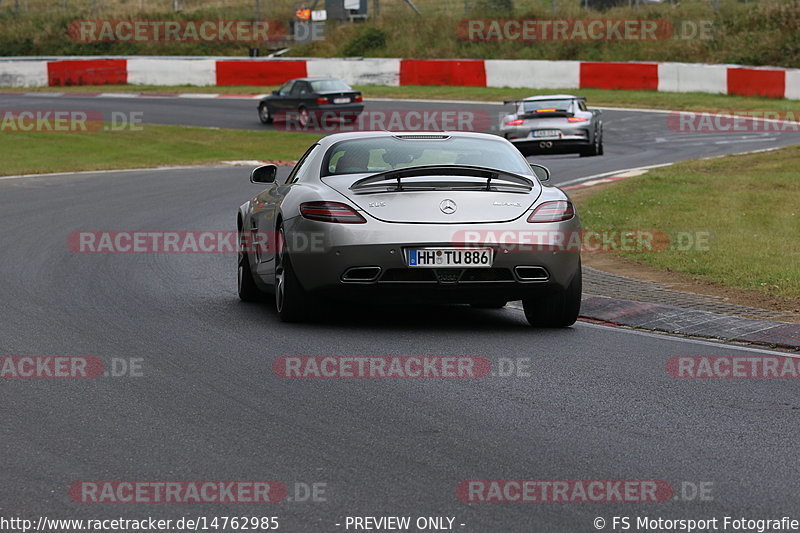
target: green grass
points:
(749, 204)
(764, 32)
(597, 97)
(42, 152)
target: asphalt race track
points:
(632, 138)
(593, 403)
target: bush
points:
(605, 5)
(368, 40)
(495, 7)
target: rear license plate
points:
(450, 257)
(341, 100)
(546, 133)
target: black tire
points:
(264, 115)
(596, 148)
(248, 290)
(559, 310)
(499, 304)
(291, 300)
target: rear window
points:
(322, 86)
(557, 105)
(390, 153)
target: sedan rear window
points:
(389, 153)
(323, 86)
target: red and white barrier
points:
(23, 73)
(793, 84)
(772, 82)
(533, 74)
(692, 77)
(367, 71)
(155, 71)
(757, 81)
(87, 72)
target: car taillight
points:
(556, 211)
(358, 98)
(322, 100)
(331, 212)
(577, 119)
(515, 122)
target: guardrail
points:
(773, 82)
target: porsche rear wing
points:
(519, 101)
(471, 178)
(548, 113)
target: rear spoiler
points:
(392, 180)
(549, 114)
(520, 100)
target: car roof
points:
(327, 142)
(553, 97)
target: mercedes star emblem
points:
(448, 207)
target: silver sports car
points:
(554, 124)
(448, 217)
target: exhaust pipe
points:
(532, 273)
(546, 144)
(361, 274)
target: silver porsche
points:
(554, 124)
(452, 217)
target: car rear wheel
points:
(248, 290)
(596, 148)
(291, 300)
(558, 310)
(264, 115)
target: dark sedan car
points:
(554, 124)
(308, 99)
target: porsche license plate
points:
(546, 133)
(450, 257)
(341, 100)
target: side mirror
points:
(264, 174)
(541, 172)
